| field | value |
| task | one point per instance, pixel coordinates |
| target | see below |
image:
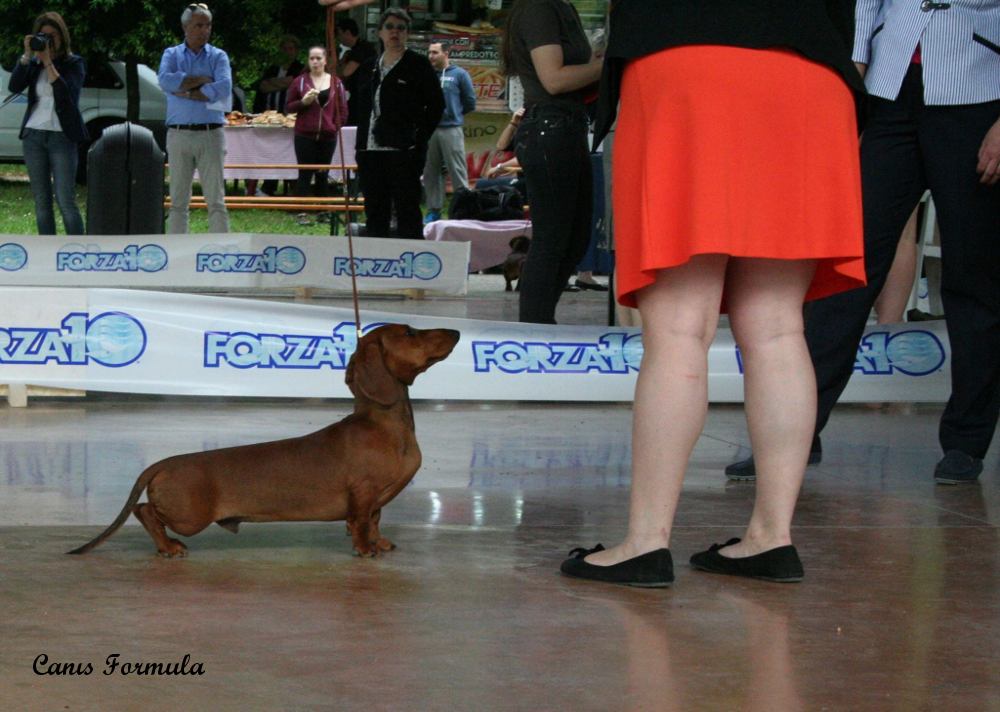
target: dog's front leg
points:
(375, 537)
(359, 521)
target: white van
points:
(102, 102)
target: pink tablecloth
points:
(490, 240)
(265, 144)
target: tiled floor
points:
(898, 611)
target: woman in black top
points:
(546, 48)
(400, 104)
(52, 127)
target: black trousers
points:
(906, 148)
(551, 147)
(390, 181)
(309, 150)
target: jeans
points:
(309, 150)
(51, 159)
(551, 146)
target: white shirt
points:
(374, 145)
(44, 116)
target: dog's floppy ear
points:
(367, 375)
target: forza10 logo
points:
(111, 339)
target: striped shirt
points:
(959, 48)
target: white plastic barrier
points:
(150, 342)
(232, 260)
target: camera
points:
(39, 41)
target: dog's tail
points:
(137, 490)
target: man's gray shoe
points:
(745, 471)
(956, 467)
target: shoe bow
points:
(580, 552)
(716, 547)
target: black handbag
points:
(487, 204)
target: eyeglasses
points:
(391, 26)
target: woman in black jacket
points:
(52, 126)
(400, 105)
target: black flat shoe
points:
(654, 569)
(781, 565)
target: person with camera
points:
(52, 127)
(400, 105)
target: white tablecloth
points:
(265, 144)
(490, 240)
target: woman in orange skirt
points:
(736, 188)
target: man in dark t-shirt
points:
(359, 51)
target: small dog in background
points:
(512, 265)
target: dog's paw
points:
(174, 550)
(366, 554)
(384, 544)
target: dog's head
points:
(519, 244)
(389, 358)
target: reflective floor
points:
(898, 610)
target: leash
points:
(331, 48)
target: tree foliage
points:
(139, 30)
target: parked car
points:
(103, 102)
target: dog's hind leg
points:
(165, 546)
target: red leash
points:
(331, 47)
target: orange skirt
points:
(743, 152)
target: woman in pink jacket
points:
(320, 102)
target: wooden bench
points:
(336, 205)
(283, 202)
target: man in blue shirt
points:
(197, 80)
(447, 145)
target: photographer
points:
(52, 125)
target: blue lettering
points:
(112, 339)
(616, 353)
(285, 351)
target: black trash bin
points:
(125, 182)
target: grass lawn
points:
(17, 211)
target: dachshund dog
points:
(348, 470)
(512, 265)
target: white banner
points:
(149, 342)
(233, 260)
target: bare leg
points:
(895, 294)
(680, 312)
(765, 299)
